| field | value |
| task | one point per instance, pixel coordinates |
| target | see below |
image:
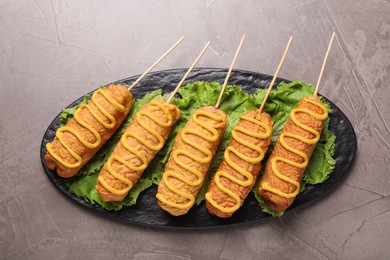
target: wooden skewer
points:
(230, 71)
(276, 74)
(155, 64)
(188, 72)
(323, 65)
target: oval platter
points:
(146, 212)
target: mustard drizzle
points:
(98, 138)
(323, 116)
(176, 153)
(139, 155)
(254, 160)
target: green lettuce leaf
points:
(235, 102)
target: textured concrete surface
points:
(52, 52)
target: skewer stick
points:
(155, 64)
(323, 65)
(230, 71)
(276, 74)
(188, 72)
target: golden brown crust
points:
(118, 93)
(202, 167)
(219, 196)
(128, 156)
(274, 201)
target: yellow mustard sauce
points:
(323, 116)
(175, 155)
(139, 155)
(254, 160)
(98, 138)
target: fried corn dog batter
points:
(238, 171)
(92, 125)
(144, 137)
(280, 182)
(191, 156)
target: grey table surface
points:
(53, 52)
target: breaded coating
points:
(143, 140)
(190, 159)
(275, 201)
(223, 199)
(118, 94)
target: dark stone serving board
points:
(146, 211)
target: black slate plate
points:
(146, 212)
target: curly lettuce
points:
(235, 102)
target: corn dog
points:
(191, 156)
(141, 141)
(238, 171)
(280, 182)
(92, 125)
(143, 138)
